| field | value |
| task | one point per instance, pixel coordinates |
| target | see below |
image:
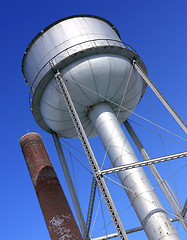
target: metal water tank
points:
(95, 64)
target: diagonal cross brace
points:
(160, 96)
(156, 175)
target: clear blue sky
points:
(157, 30)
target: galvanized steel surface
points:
(91, 158)
(88, 51)
(138, 188)
(103, 77)
(60, 38)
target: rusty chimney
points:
(58, 216)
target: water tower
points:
(85, 82)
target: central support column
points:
(148, 208)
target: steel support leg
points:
(90, 206)
(70, 185)
(138, 188)
(161, 97)
(184, 210)
(91, 158)
(156, 174)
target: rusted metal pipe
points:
(58, 216)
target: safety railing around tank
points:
(94, 43)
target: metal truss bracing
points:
(156, 175)
(132, 230)
(160, 96)
(91, 158)
(144, 163)
(90, 207)
(184, 210)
